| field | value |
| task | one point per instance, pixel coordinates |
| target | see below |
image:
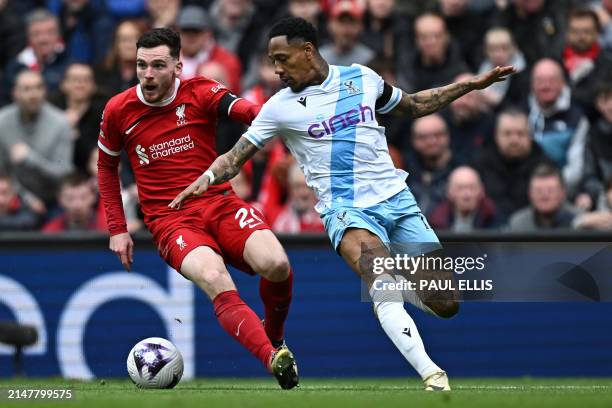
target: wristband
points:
(211, 176)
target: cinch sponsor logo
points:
(341, 121)
(165, 149)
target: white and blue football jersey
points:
(332, 132)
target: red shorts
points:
(223, 223)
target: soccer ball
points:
(155, 363)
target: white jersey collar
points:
(166, 101)
(330, 76)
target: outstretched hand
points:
(196, 188)
(497, 74)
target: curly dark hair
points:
(295, 28)
(161, 36)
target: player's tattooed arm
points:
(227, 166)
(432, 100)
(224, 168)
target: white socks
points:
(411, 297)
(399, 326)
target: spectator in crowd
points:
(228, 131)
(298, 215)
(598, 154)
(431, 162)
(466, 207)
(558, 124)
(129, 195)
(311, 11)
(470, 123)
(583, 58)
(45, 53)
(601, 218)
(435, 61)
(506, 166)
(548, 207)
(345, 26)
(214, 70)
(500, 50)
(23, 7)
(395, 126)
(538, 26)
(163, 13)
(15, 213)
(385, 30)
(412, 8)
(198, 46)
(121, 10)
(77, 200)
(85, 28)
(118, 71)
(268, 82)
(466, 27)
(12, 34)
(83, 109)
(35, 139)
(604, 12)
(487, 5)
(239, 28)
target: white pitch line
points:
(464, 387)
(532, 387)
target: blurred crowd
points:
(531, 153)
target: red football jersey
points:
(169, 145)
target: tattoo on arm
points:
(431, 100)
(227, 166)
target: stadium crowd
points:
(530, 153)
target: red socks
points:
(241, 323)
(276, 297)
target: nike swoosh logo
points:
(127, 132)
(238, 330)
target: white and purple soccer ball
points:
(155, 363)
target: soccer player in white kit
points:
(326, 118)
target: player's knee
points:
(445, 309)
(274, 267)
(212, 277)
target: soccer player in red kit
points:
(167, 127)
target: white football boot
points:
(437, 382)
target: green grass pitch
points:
(335, 393)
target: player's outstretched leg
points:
(265, 255)
(401, 329)
(206, 269)
(389, 304)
